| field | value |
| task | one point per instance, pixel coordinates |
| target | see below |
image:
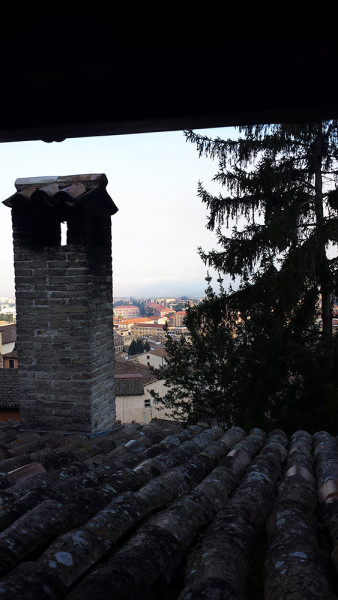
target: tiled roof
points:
(128, 376)
(9, 388)
(128, 306)
(159, 307)
(170, 513)
(13, 354)
(161, 352)
(137, 320)
(150, 325)
(8, 333)
(69, 190)
(133, 367)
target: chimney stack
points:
(64, 303)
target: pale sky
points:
(152, 179)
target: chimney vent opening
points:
(64, 229)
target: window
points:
(146, 403)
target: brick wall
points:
(65, 338)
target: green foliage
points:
(132, 348)
(274, 225)
(7, 317)
(197, 371)
(136, 347)
(141, 305)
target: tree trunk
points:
(325, 273)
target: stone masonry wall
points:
(64, 336)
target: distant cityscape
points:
(158, 300)
(139, 334)
(139, 344)
(138, 319)
(132, 314)
(7, 310)
(133, 318)
(145, 318)
(7, 300)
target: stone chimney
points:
(64, 303)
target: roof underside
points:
(90, 84)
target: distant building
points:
(179, 317)
(159, 309)
(126, 327)
(7, 339)
(123, 323)
(10, 360)
(154, 358)
(118, 344)
(126, 310)
(9, 375)
(147, 329)
(133, 382)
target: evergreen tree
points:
(149, 312)
(139, 346)
(133, 349)
(136, 347)
(281, 198)
(202, 374)
(141, 305)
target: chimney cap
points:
(52, 190)
(89, 181)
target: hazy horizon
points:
(153, 180)
(142, 289)
(175, 291)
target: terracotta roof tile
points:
(22, 474)
(170, 512)
(133, 367)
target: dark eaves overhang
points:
(71, 78)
